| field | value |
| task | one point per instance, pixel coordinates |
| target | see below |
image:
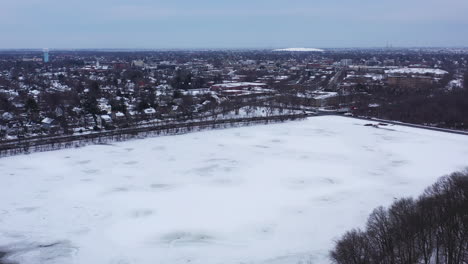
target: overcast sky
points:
(170, 24)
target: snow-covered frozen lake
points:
(265, 194)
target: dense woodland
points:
(436, 106)
(432, 229)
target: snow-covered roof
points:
(47, 120)
(238, 84)
(417, 71)
(106, 117)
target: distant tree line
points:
(432, 229)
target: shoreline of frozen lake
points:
(261, 194)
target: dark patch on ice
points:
(91, 171)
(329, 180)
(120, 189)
(301, 183)
(397, 163)
(27, 209)
(129, 149)
(376, 173)
(266, 230)
(225, 182)
(55, 178)
(49, 245)
(261, 146)
(187, 238)
(160, 186)
(131, 162)
(207, 170)
(49, 252)
(276, 140)
(66, 157)
(388, 138)
(141, 213)
(3, 260)
(216, 160)
(368, 148)
(159, 148)
(221, 145)
(84, 162)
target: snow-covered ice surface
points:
(264, 194)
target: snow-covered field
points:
(265, 194)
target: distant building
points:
(138, 63)
(237, 86)
(346, 62)
(46, 55)
(415, 82)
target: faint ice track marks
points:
(133, 162)
(121, 189)
(27, 209)
(162, 186)
(182, 238)
(305, 182)
(261, 146)
(215, 165)
(90, 171)
(142, 213)
(320, 131)
(158, 148)
(83, 162)
(398, 163)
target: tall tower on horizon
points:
(46, 55)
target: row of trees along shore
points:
(432, 229)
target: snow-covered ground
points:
(264, 194)
(416, 71)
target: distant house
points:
(104, 120)
(7, 116)
(119, 115)
(48, 123)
